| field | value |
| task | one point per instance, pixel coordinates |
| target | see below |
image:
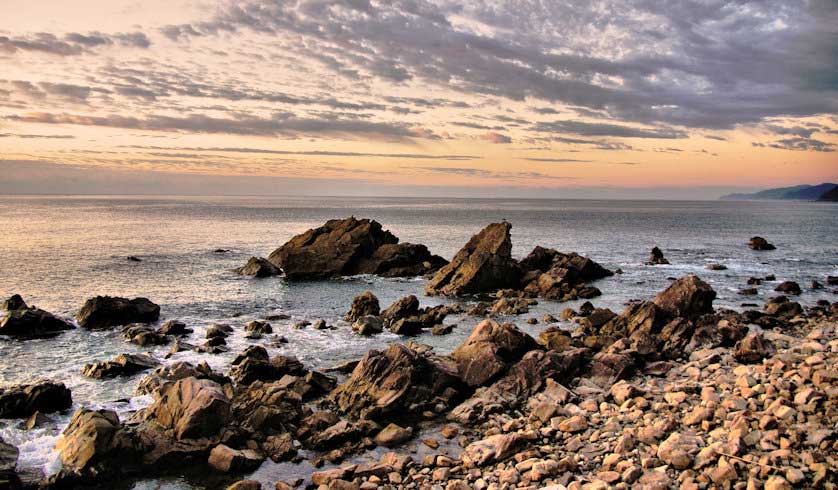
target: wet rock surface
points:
(22, 401)
(258, 267)
(23, 321)
(104, 312)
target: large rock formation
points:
(95, 444)
(23, 321)
(485, 264)
(23, 400)
(656, 257)
(363, 305)
(397, 382)
(489, 350)
(193, 408)
(104, 312)
(687, 297)
(121, 365)
(560, 276)
(344, 247)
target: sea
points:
(58, 251)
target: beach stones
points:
(104, 312)
(393, 435)
(258, 267)
(788, 287)
(484, 264)
(753, 348)
(21, 401)
(344, 247)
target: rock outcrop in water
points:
(346, 247)
(104, 312)
(258, 267)
(23, 321)
(121, 365)
(656, 257)
(363, 305)
(8, 465)
(21, 401)
(760, 243)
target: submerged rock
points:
(485, 264)
(368, 325)
(343, 247)
(22, 401)
(23, 321)
(104, 312)
(121, 365)
(258, 267)
(788, 287)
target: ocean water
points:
(58, 251)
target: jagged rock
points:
(267, 408)
(395, 381)
(442, 329)
(254, 368)
(24, 322)
(753, 348)
(781, 307)
(485, 264)
(104, 312)
(788, 287)
(489, 350)
(166, 375)
(407, 326)
(656, 257)
(8, 465)
(228, 460)
(393, 435)
(760, 243)
(688, 297)
(193, 408)
(258, 267)
(368, 325)
(257, 326)
(555, 338)
(280, 447)
(365, 304)
(403, 308)
(95, 443)
(174, 327)
(511, 306)
(343, 247)
(144, 335)
(22, 401)
(247, 485)
(121, 365)
(561, 276)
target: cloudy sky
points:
(564, 98)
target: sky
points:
(550, 98)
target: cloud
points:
(556, 160)
(492, 175)
(800, 144)
(418, 156)
(37, 136)
(496, 138)
(605, 129)
(71, 44)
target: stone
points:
(656, 257)
(193, 408)
(258, 267)
(174, 327)
(788, 287)
(104, 312)
(22, 401)
(753, 348)
(760, 243)
(393, 435)
(492, 449)
(484, 264)
(121, 365)
(407, 326)
(368, 325)
(259, 327)
(228, 460)
(23, 322)
(246, 485)
(95, 442)
(678, 450)
(489, 350)
(8, 464)
(777, 483)
(405, 307)
(365, 304)
(574, 424)
(687, 297)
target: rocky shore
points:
(669, 393)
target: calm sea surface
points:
(58, 251)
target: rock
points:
(511, 306)
(104, 312)
(788, 287)
(254, 367)
(15, 302)
(574, 424)
(753, 348)
(492, 449)
(748, 292)
(144, 335)
(321, 325)
(759, 243)
(121, 365)
(22, 401)
(561, 276)
(678, 450)
(8, 465)
(174, 327)
(166, 375)
(344, 247)
(246, 485)
(656, 257)
(95, 443)
(407, 326)
(489, 350)
(716, 267)
(258, 267)
(555, 338)
(365, 304)
(442, 329)
(368, 325)
(393, 435)
(777, 483)
(259, 327)
(484, 264)
(193, 408)
(396, 382)
(228, 460)
(832, 280)
(405, 307)
(688, 297)
(280, 448)
(22, 321)
(36, 420)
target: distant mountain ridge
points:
(820, 192)
(830, 196)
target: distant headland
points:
(821, 192)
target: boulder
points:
(403, 308)
(393, 435)
(485, 264)
(259, 327)
(280, 447)
(561, 276)
(144, 335)
(788, 287)
(22, 401)
(14, 302)
(489, 350)
(407, 326)
(368, 325)
(760, 243)
(396, 382)
(258, 267)
(247, 485)
(254, 368)
(166, 375)
(27, 322)
(656, 257)
(363, 305)
(492, 449)
(753, 348)
(8, 465)
(104, 312)
(228, 460)
(121, 365)
(174, 327)
(94, 443)
(688, 297)
(192, 408)
(344, 247)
